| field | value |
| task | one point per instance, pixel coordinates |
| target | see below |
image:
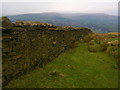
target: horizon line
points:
(58, 13)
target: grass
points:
(108, 42)
(75, 68)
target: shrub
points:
(94, 48)
(103, 45)
(96, 45)
(113, 51)
(87, 38)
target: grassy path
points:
(76, 68)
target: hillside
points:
(101, 23)
(43, 55)
(75, 68)
(27, 45)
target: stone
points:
(6, 22)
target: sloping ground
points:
(28, 45)
(76, 68)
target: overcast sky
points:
(65, 6)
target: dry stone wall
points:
(24, 49)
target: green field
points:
(75, 68)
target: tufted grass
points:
(75, 68)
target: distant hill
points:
(98, 22)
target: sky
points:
(14, 7)
(60, 0)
